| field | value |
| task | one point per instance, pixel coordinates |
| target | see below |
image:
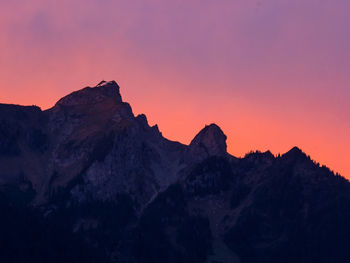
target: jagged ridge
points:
(88, 172)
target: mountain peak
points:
(104, 83)
(92, 95)
(210, 141)
(295, 151)
(295, 154)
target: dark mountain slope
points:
(87, 181)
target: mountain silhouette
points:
(88, 181)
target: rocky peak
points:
(92, 95)
(210, 141)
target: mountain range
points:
(88, 181)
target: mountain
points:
(88, 181)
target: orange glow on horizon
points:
(181, 116)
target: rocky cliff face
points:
(87, 181)
(93, 146)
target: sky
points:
(272, 74)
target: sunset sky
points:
(271, 73)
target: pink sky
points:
(271, 73)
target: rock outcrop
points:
(210, 141)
